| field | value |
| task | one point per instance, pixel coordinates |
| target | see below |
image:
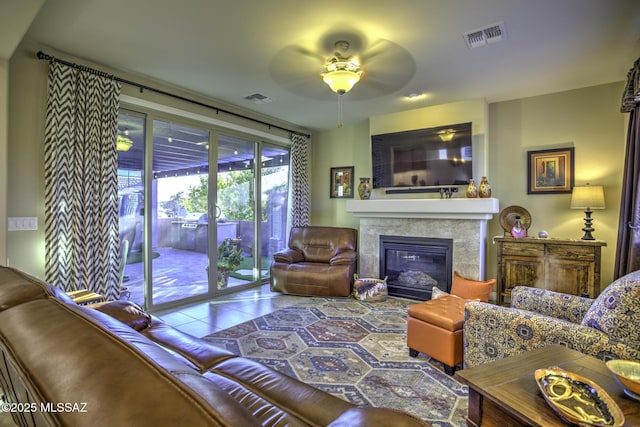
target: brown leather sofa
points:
(318, 261)
(115, 365)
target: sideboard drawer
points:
(578, 253)
(523, 249)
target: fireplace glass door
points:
(414, 265)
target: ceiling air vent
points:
(487, 35)
(258, 98)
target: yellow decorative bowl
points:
(627, 372)
(578, 400)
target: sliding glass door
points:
(236, 212)
(206, 217)
(131, 146)
(274, 189)
(179, 212)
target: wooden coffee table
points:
(504, 393)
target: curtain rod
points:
(46, 57)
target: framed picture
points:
(550, 171)
(342, 182)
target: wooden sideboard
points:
(570, 266)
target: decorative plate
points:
(508, 217)
(578, 400)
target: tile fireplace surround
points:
(461, 219)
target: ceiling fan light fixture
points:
(341, 76)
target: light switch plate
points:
(21, 223)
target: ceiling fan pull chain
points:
(339, 111)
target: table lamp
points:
(587, 197)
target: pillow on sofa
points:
(616, 311)
(436, 292)
(471, 289)
(128, 312)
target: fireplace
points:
(414, 265)
(460, 219)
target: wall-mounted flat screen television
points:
(433, 157)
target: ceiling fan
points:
(341, 72)
(348, 63)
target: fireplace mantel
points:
(463, 220)
(460, 208)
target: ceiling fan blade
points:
(387, 54)
(397, 75)
(310, 53)
(370, 89)
(379, 47)
(313, 87)
(387, 68)
(297, 69)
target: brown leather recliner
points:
(319, 261)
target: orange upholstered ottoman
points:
(435, 328)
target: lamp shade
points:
(341, 81)
(587, 197)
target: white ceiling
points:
(231, 49)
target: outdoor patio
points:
(176, 274)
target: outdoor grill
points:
(192, 220)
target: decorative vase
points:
(223, 277)
(472, 190)
(518, 231)
(364, 188)
(484, 190)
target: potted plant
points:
(229, 259)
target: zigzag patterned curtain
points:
(81, 181)
(300, 176)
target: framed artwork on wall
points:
(342, 182)
(550, 171)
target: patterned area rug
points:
(354, 350)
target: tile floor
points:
(207, 317)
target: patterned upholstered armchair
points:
(607, 327)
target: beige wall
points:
(588, 119)
(4, 102)
(346, 146)
(25, 195)
(16, 19)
